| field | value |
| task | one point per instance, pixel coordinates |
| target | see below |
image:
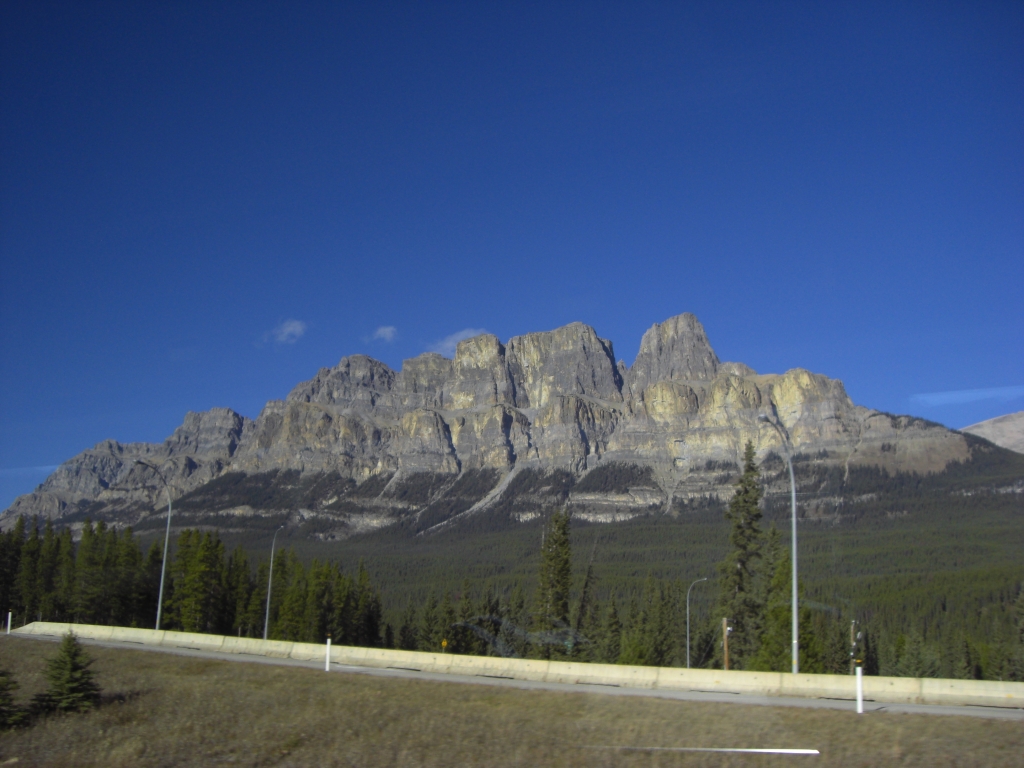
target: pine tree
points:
(775, 646)
(369, 614)
(10, 560)
(292, 613)
(49, 558)
(197, 591)
(319, 602)
(28, 586)
(915, 659)
(738, 579)
(239, 587)
(431, 633)
(446, 618)
(551, 611)
(64, 588)
(408, 634)
(1016, 666)
(611, 645)
(464, 639)
(90, 578)
(255, 612)
(343, 608)
(72, 686)
(513, 634)
(127, 560)
(147, 586)
(966, 665)
(11, 714)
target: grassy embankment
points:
(161, 709)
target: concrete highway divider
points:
(908, 690)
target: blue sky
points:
(203, 203)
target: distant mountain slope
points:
(1005, 431)
(546, 419)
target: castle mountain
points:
(508, 428)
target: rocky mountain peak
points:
(217, 431)
(356, 381)
(677, 349)
(554, 402)
(572, 359)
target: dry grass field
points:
(162, 710)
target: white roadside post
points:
(327, 661)
(860, 690)
(9, 622)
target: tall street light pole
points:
(698, 581)
(167, 539)
(270, 581)
(792, 492)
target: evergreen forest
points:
(927, 584)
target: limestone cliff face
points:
(567, 361)
(199, 450)
(553, 401)
(1005, 431)
(677, 349)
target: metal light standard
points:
(698, 581)
(270, 581)
(792, 491)
(167, 538)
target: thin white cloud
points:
(288, 332)
(960, 396)
(385, 333)
(446, 346)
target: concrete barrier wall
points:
(887, 689)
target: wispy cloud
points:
(385, 333)
(959, 396)
(446, 346)
(288, 332)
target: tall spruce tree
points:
(611, 639)
(10, 560)
(775, 653)
(408, 632)
(49, 555)
(738, 573)
(64, 587)
(29, 588)
(90, 603)
(551, 611)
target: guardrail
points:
(907, 690)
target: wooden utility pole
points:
(725, 641)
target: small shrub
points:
(72, 688)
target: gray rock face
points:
(1005, 431)
(568, 361)
(481, 377)
(423, 379)
(199, 450)
(676, 349)
(551, 402)
(355, 382)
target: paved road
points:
(998, 713)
